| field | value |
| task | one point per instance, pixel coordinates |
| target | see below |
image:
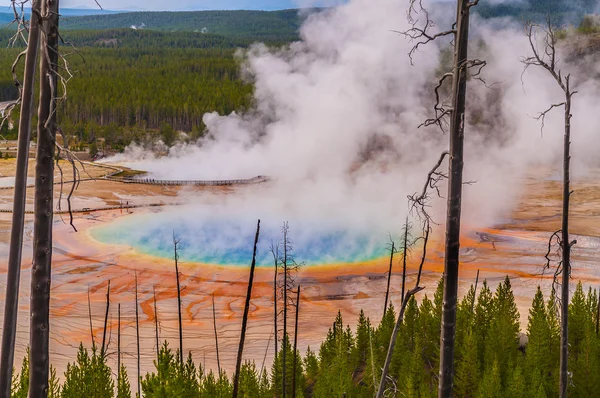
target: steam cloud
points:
(336, 116)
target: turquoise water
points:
(222, 240)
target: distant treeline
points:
(493, 360)
(126, 79)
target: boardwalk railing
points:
(152, 181)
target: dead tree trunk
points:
(118, 344)
(389, 279)
(175, 243)
(546, 59)
(598, 314)
(285, 285)
(43, 209)
(156, 322)
(103, 349)
(137, 336)
(405, 299)
(296, 341)
(405, 255)
(275, 251)
(475, 293)
(13, 278)
(90, 316)
(216, 337)
(238, 365)
(455, 183)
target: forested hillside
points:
(257, 25)
(127, 81)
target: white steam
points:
(336, 116)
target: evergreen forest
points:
(494, 358)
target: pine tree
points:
(517, 387)
(123, 386)
(53, 384)
(483, 316)
(89, 376)
(20, 383)
(491, 385)
(539, 360)
(467, 370)
(249, 381)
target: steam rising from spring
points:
(336, 116)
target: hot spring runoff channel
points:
(222, 240)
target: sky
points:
(183, 5)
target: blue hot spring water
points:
(223, 240)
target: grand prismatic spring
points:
(344, 265)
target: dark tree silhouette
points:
(11, 302)
(43, 209)
(238, 366)
(547, 59)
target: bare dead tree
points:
(389, 279)
(137, 336)
(156, 322)
(103, 348)
(118, 343)
(287, 276)
(238, 366)
(262, 366)
(475, 293)
(175, 243)
(454, 110)
(216, 336)
(598, 314)
(43, 208)
(546, 58)
(90, 316)
(275, 253)
(405, 252)
(296, 344)
(388, 360)
(11, 302)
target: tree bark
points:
(389, 279)
(43, 209)
(566, 250)
(238, 366)
(11, 302)
(296, 342)
(216, 337)
(455, 182)
(175, 242)
(103, 349)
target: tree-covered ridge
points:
(493, 358)
(261, 25)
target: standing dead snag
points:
(275, 252)
(43, 209)
(405, 299)
(11, 302)
(216, 338)
(455, 110)
(238, 366)
(137, 336)
(156, 322)
(103, 348)
(119, 344)
(175, 243)
(389, 279)
(295, 344)
(547, 59)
